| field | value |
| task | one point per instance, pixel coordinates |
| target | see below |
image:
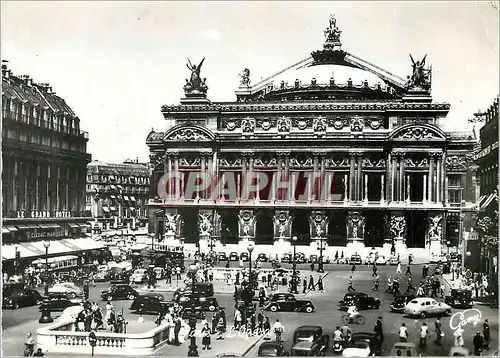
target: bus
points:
(61, 263)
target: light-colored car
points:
(438, 258)
(381, 260)
(425, 306)
(393, 261)
(67, 288)
(70, 313)
(138, 276)
(359, 349)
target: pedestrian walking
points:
(350, 287)
(439, 331)
(278, 330)
(403, 333)
(486, 334)
(374, 270)
(177, 329)
(221, 327)
(320, 284)
(262, 297)
(424, 331)
(398, 269)
(459, 336)
(389, 284)
(408, 270)
(337, 256)
(237, 318)
(86, 290)
(410, 285)
(425, 270)
(29, 345)
(312, 266)
(478, 342)
(410, 259)
(395, 287)
(376, 283)
(304, 285)
(178, 273)
(205, 332)
(353, 268)
(311, 287)
(379, 330)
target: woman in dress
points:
(205, 332)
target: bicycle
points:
(358, 319)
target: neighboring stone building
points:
(44, 159)
(346, 153)
(487, 161)
(117, 194)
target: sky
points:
(117, 63)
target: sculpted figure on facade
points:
(205, 224)
(435, 230)
(357, 224)
(171, 223)
(195, 85)
(319, 125)
(332, 34)
(248, 125)
(455, 162)
(282, 224)
(357, 124)
(284, 124)
(421, 77)
(417, 133)
(246, 223)
(398, 225)
(317, 222)
(245, 78)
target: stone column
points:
(382, 194)
(167, 169)
(209, 174)
(293, 179)
(359, 189)
(244, 177)
(346, 184)
(365, 198)
(314, 193)
(431, 178)
(444, 180)
(180, 189)
(388, 178)
(250, 176)
(401, 177)
(425, 189)
(351, 177)
(393, 177)
(438, 180)
(37, 187)
(322, 180)
(408, 188)
(287, 175)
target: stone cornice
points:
(298, 106)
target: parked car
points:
(309, 341)
(22, 298)
(205, 303)
(286, 302)
(459, 299)
(286, 258)
(139, 276)
(233, 256)
(455, 257)
(313, 258)
(363, 344)
(222, 256)
(272, 349)
(119, 292)
(400, 302)
(438, 258)
(300, 258)
(244, 256)
(361, 300)
(381, 260)
(119, 275)
(262, 257)
(59, 302)
(355, 259)
(425, 306)
(393, 261)
(67, 288)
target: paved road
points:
(17, 323)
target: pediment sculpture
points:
(195, 86)
(284, 124)
(421, 76)
(188, 135)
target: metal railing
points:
(51, 125)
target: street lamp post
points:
(294, 275)
(193, 348)
(320, 263)
(250, 249)
(46, 317)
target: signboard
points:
(92, 339)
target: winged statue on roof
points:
(421, 76)
(195, 84)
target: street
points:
(17, 323)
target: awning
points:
(489, 199)
(5, 230)
(44, 226)
(87, 244)
(132, 198)
(73, 226)
(64, 246)
(11, 228)
(56, 247)
(33, 226)
(22, 227)
(9, 252)
(53, 226)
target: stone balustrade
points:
(60, 337)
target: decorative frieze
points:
(248, 125)
(302, 123)
(416, 163)
(338, 122)
(266, 123)
(188, 135)
(230, 161)
(373, 163)
(190, 161)
(337, 162)
(319, 126)
(418, 133)
(456, 162)
(356, 124)
(230, 124)
(284, 125)
(300, 161)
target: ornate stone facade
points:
(318, 224)
(246, 224)
(356, 226)
(282, 225)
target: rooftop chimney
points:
(5, 70)
(136, 160)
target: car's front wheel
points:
(273, 308)
(16, 306)
(309, 309)
(211, 308)
(131, 297)
(423, 314)
(72, 295)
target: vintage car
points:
(67, 288)
(205, 303)
(309, 341)
(459, 299)
(119, 292)
(22, 298)
(272, 349)
(244, 256)
(361, 300)
(438, 258)
(393, 261)
(362, 344)
(159, 272)
(404, 349)
(150, 303)
(202, 289)
(355, 259)
(262, 257)
(400, 302)
(102, 276)
(286, 302)
(313, 258)
(222, 256)
(119, 275)
(459, 352)
(139, 276)
(233, 256)
(300, 258)
(425, 306)
(60, 301)
(286, 258)
(381, 260)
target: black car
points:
(262, 257)
(60, 301)
(370, 338)
(272, 349)
(313, 258)
(399, 303)
(300, 258)
(286, 302)
(286, 258)
(201, 289)
(222, 256)
(233, 256)
(244, 256)
(22, 298)
(361, 300)
(356, 259)
(118, 275)
(150, 303)
(459, 299)
(309, 341)
(204, 303)
(119, 292)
